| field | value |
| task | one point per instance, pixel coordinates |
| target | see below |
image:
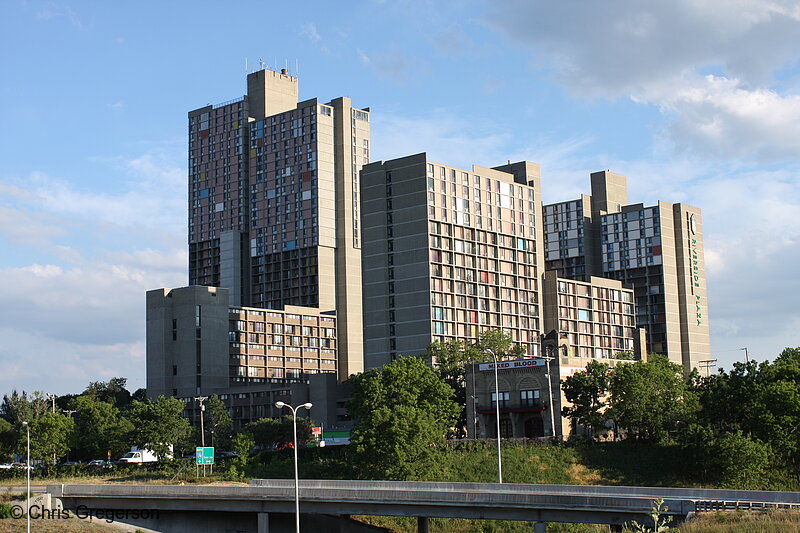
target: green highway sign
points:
(204, 456)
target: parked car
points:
(70, 463)
(222, 455)
(6, 466)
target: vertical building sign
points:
(694, 271)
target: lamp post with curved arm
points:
(307, 405)
(497, 413)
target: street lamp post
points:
(497, 413)
(307, 405)
(28, 469)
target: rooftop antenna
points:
(297, 68)
(245, 66)
(287, 65)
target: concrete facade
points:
(198, 344)
(448, 253)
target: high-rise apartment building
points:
(657, 251)
(448, 253)
(274, 203)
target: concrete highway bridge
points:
(267, 505)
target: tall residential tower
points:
(448, 253)
(274, 203)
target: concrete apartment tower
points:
(657, 251)
(274, 203)
(448, 253)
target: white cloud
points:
(21, 227)
(40, 207)
(79, 315)
(58, 10)
(620, 47)
(719, 116)
(310, 30)
(33, 362)
(662, 53)
(66, 326)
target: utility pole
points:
(200, 400)
(708, 364)
(746, 355)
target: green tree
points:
(650, 399)
(51, 435)
(218, 422)
(269, 431)
(139, 395)
(789, 355)
(20, 407)
(450, 358)
(732, 401)
(158, 424)
(8, 440)
(100, 429)
(759, 402)
(741, 462)
(496, 343)
(112, 391)
(402, 411)
(778, 423)
(243, 444)
(586, 391)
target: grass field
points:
(771, 522)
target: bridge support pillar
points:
(422, 524)
(540, 527)
(263, 522)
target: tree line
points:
(105, 420)
(735, 426)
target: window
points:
(503, 399)
(529, 398)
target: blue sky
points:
(694, 102)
